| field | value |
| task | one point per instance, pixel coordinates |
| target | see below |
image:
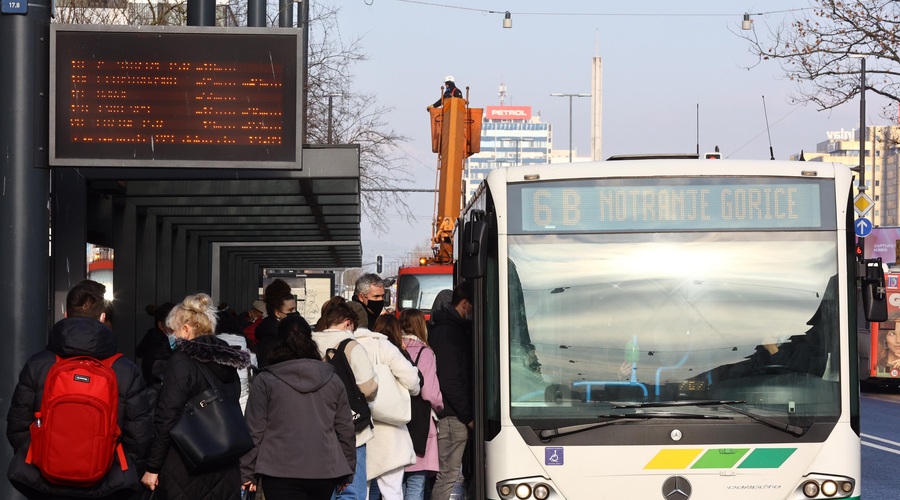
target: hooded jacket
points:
(80, 337)
(299, 417)
(451, 340)
(182, 380)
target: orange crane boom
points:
(455, 136)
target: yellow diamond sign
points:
(863, 204)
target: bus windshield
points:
(746, 316)
(418, 291)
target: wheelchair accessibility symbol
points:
(554, 455)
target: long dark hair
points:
(390, 326)
(294, 341)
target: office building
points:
(881, 164)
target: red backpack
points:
(75, 432)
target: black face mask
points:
(295, 313)
(375, 306)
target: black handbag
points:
(211, 432)
(420, 423)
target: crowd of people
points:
(308, 394)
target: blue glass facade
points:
(507, 143)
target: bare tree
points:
(816, 50)
(356, 117)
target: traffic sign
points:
(862, 204)
(862, 227)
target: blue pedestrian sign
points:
(862, 227)
(14, 6)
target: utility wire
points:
(764, 131)
(604, 14)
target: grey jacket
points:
(300, 420)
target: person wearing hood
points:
(193, 323)
(299, 405)
(81, 333)
(369, 292)
(391, 449)
(451, 339)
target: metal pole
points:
(24, 221)
(862, 125)
(201, 13)
(330, 101)
(570, 128)
(256, 13)
(862, 140)
(570, 96)
(285, 13)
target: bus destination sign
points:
(698, 205)
(175, 97)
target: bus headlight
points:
(826, 486)
(523, 490)
(829, 488)
(527, 488)
(811, 489)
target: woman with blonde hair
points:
(197, 352)
(415, 343)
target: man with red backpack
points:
(80, 420)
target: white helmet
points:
(449, 78)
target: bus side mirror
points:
(473, 257)
(873, 291)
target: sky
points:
(662, 62)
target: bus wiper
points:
(775, 424)
(548, 434)
(671, 404)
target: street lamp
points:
(330, 107)
(570, 96)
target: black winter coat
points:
(266, 337)
(450, 338)
(154, 351)
(182, 380)
(81, 337)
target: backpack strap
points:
(419, 355)
(108, 362)
(331, 351)
(120, 451)
(343, 345)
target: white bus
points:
(665, 329)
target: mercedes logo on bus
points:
(676, 488)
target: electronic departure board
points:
(670, 204)
(167, 96)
